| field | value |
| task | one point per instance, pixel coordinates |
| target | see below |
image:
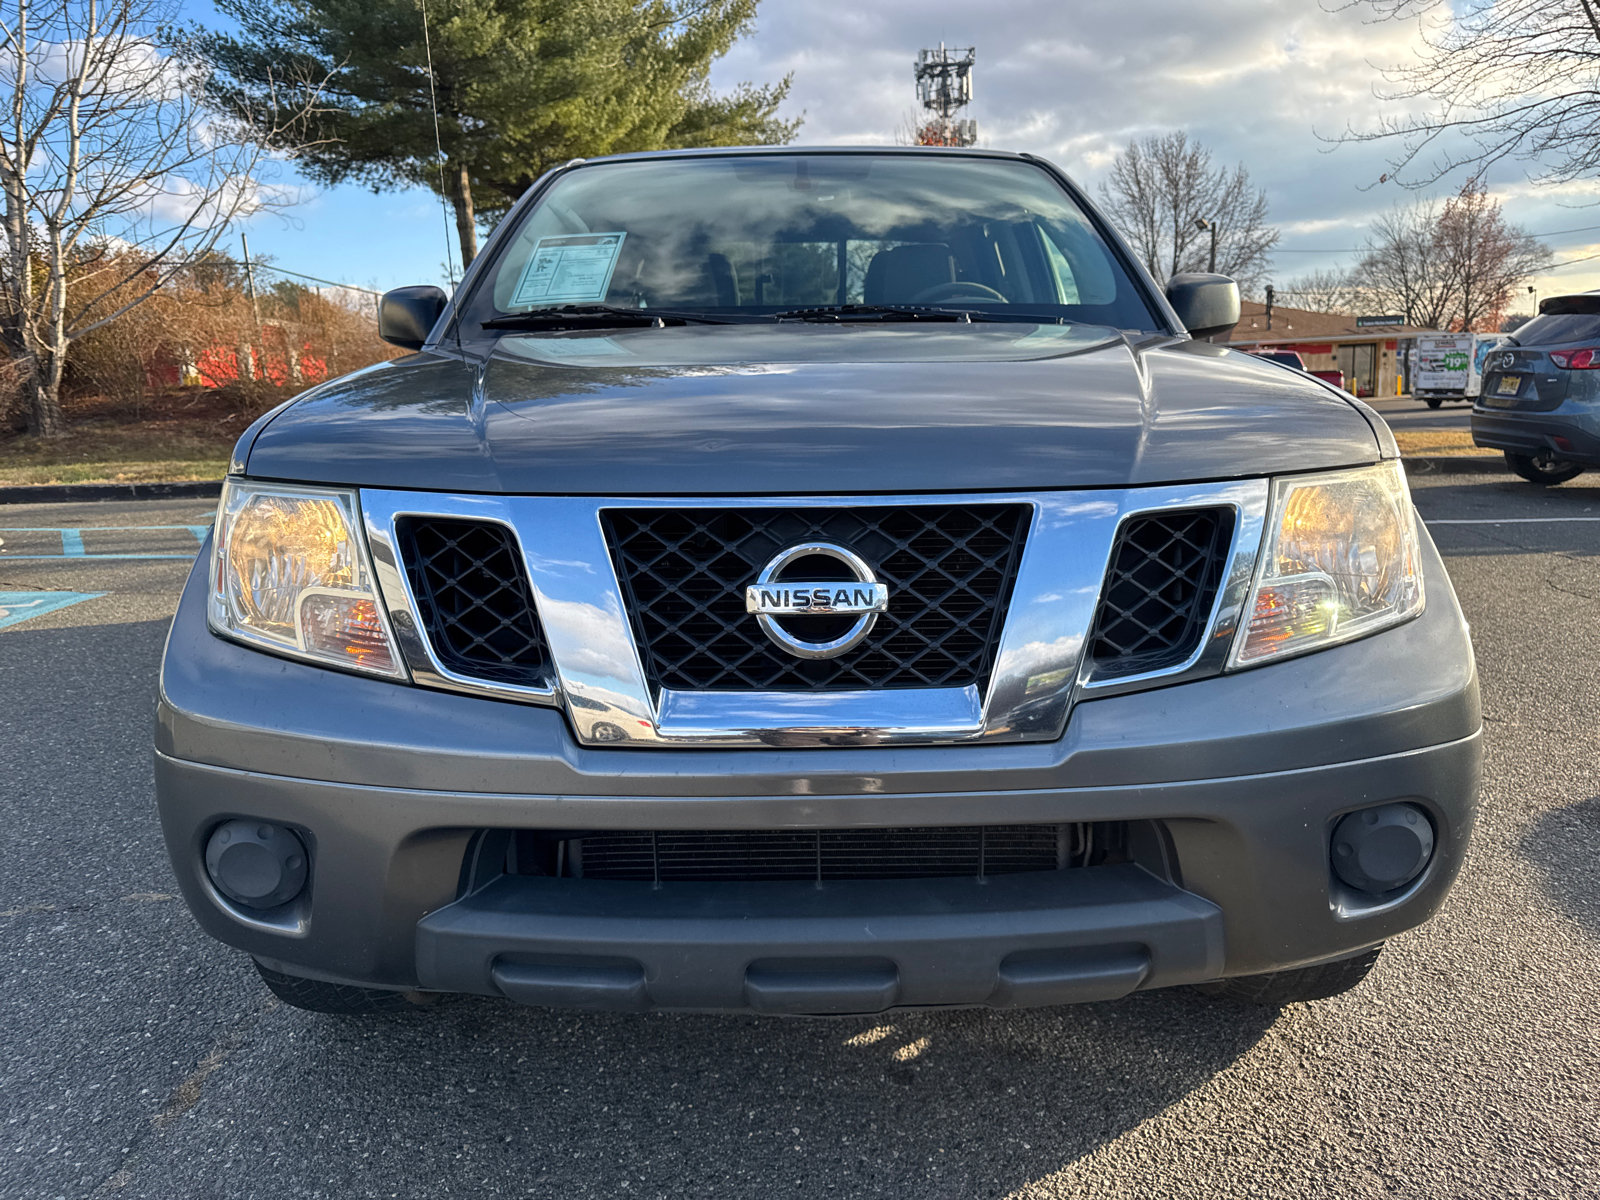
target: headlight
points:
(1340, 561)
(290, 573)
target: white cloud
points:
(1256, 80)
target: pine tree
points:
(521, 86)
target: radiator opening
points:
(663, 857)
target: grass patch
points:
(114, 472)
(110, 454)
(104, 443)
(1438, 443)
(180, 436)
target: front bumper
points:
(1244, 775)
(849, 947)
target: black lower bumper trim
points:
(867, 986)
(860, 946)
(618, 987)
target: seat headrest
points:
(895, 276)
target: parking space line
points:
(1506, 520)
(72, 541)
(80, 556)
(97, 528)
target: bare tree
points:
(1505, 78)
(1170, 201)
(1455, 267)
(1404, 268)
(114, 175)
(1486, 257)
(1329, 291)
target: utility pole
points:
(247, 356)
(1271, 293)
(1202, 223)
(250, 281)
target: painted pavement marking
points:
(16, 607)
(72, 540)
(1507, 520)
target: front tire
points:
(1546, 472)
(1298, 986)
(338, 999)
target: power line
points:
(1364, 249)
(260, 266)
(438, 144)
(1559, 232)
(1571, 261)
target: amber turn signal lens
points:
(347, 627)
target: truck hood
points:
(813, 409)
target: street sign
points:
(1368, 322)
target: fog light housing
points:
(1383, 848)
(256, 864)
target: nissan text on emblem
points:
(861, 596)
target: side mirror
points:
(406, 314)
(1206, 304)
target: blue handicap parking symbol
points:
(16, 607)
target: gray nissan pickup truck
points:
(815, 582)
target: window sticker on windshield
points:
(568, 268)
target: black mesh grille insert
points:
(474, 599)
(835, 854)
(1165, 570)
(949, 569)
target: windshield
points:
(774, 233)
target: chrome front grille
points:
(949, 568)
(620, 611)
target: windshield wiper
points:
(908, 312)
(873, 312)
(596, 316)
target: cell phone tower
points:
(944, 86)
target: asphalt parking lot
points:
(142, 1060)
(1402, 412)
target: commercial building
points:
(1370, 355)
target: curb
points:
(58, 493)
(1456, 464)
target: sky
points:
(1265, 83)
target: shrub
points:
(201, 330)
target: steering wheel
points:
(957, 291)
